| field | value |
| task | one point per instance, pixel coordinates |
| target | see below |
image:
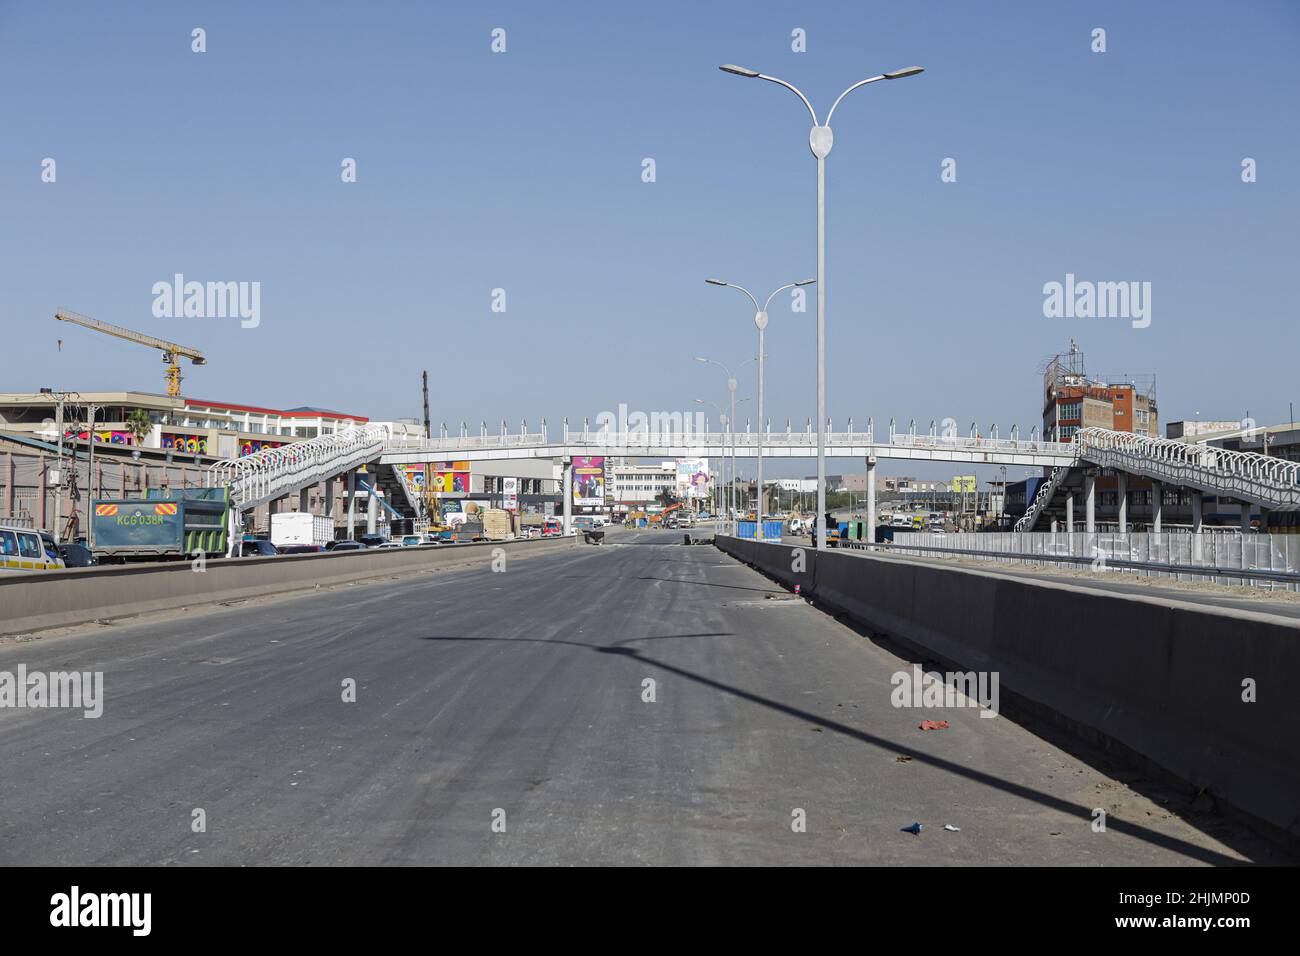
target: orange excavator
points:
(658, 518)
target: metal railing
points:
(1264, 480)
(723, 441)
(1043, 497)
(1221, 556)
(274, 472)
(464, 443)
(412, 494)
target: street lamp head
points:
(701, 358)
(805, 282)
(738, 70)
(715, 282)
(906, 71)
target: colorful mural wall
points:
(106, 438)
(190, 444)
(451, 477)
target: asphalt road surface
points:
(519, 698)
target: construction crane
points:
(171, 352)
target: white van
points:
(25, 549)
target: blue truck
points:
(179, 523)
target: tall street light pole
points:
(731, 387)
(737, 495)
(760, 321)
(820, 140)
(720, 490)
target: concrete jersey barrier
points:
(1162, 679)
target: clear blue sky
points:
(522, 171)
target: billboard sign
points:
(692, 478)
(415, 477)
(474, 509)
(451, 477)
(589, 481)
(963, 484)
(510, 494)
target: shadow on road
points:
(1145, 834)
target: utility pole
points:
(59, 398)
(58, 494)
(90, 476)
(1002, 502)
(427, 436)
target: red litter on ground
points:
(933, 725)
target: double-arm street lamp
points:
(760, 321)
(820, 140)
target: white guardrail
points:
(724, 440)
(1225, 557)
(450, 445)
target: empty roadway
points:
(523, 691)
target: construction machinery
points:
(171, 352)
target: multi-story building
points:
(905, 483)
(209, 429)
(635, 485)
(1198, 429)
(1072, 399)
(797, 484)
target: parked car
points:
(300, 548)
(372, 540)
(77, 556)
(345, 546)
(412, 541)
(257, 549)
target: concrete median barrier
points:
(32, 601)
(1158, 680)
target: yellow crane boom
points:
(171, 352)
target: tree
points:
(139, 425)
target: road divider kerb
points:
(36, 601)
